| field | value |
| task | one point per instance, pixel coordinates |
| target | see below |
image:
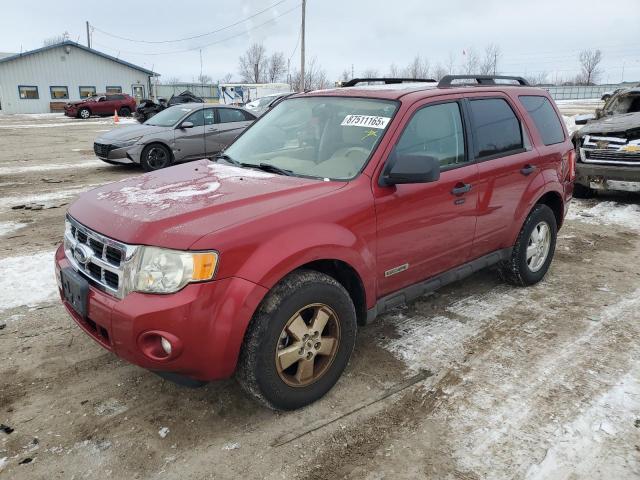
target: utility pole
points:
(88, 35)
(304, 8)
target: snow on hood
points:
(176, 206)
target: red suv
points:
(103, 105)
(334, 207)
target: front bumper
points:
(113, 153)
(208, 318)
(588, 173)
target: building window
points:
(28, 92)
(59, 93)
(137, 91)
(86, 92)
(112, 90)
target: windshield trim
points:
(301, 95)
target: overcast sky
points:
(534, 36)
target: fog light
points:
(166, 345)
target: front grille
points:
(102, 150)
(104, 263)
(609, 150)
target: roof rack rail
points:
(447, 80)
(386, 80)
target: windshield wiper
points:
(267, 167)
(228, 159)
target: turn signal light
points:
(204, 265)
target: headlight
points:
(166, 271)
(129, 142)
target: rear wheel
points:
(533, 251)
(155, 157)
(84, 113)
(124, 111)
(299, 341)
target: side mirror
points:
(583, 119)
(410, 168)
(186, 125)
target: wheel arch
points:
(554, 201)
(158, 142)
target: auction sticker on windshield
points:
(365, 121)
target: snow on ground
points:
(27, 280)
(606, 213)
(9, 227)
(596, 102)
(570, 122)
(46, 199)
(54, 125)
(14, 170)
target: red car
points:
(331, 209)
(103, 105)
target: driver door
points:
(427, 228)
(189, 142)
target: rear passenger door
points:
(230, 122)
(507, 163)
(425, 229)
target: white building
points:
(43, 80)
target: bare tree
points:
(204, 79)
(394, 71)
(227, 78)
(418, 68)
(489, 63)
(451, 63)
(471, 61)
(277, 67)
(439, 72)
(589, 61)
(537, 78)
(55, 39)
(370, 73)
(314, 77)
(345, 76)
(253, 65)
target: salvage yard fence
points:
(581, 92)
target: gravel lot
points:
(480, 380)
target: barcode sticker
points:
(369, 121)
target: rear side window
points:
(229, 115)
(545, 118)
(497, 129)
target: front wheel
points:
(84, 113)
(299, 341)
(155, 157)
(533, 251)
(124, 112)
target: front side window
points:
(497, 129)
(197, 118)
(86, 92)
(28, 93)
(545, 118)
(113, 90)
(59, 93)
(322, 137)
(435, 131)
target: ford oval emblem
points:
(82, 254)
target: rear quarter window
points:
(544, 117)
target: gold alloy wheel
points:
(308, 345)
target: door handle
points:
(212, 129)
(461, 188)
(527, 169)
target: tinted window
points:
(435, 131)
(228, 115)
(545, 118)
(497, 129)
(197, 118)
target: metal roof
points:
(82, 47)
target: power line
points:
(192, 37)
(206, 44)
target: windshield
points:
(325, 137)
(168, 117)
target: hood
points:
(129, 131)
(613, 123)
(76, 102)
(176, 206)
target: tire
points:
(84, 113)
(580, 191)
(304, 295)
(519, 269)
(155, 157)
(124, 111)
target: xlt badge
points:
(398, 269)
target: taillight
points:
(569, 162)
